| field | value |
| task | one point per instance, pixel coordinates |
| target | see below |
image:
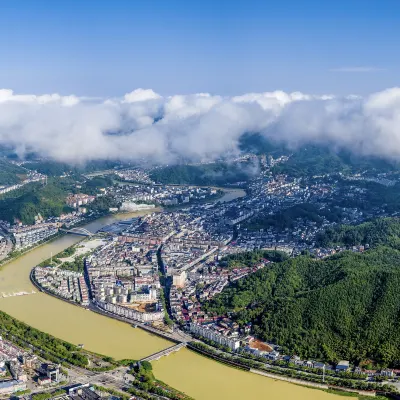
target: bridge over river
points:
(77, 231)
(164, 352)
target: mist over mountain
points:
(198, 127)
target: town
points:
(158, 270)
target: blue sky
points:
(108, 48)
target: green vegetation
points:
(68, 252)
(250, 258)
(145, 380)
(287, 218)
(76, 266)
(49, 200)
(35, 199)
(370, 196)
(248, 361)
(113, 392)
(20, 393)
(167, 318)
(45, 396)
(313, 160)
(258, 144)
(349, 394)
(50, 168)
(102, 204)
(207, 174)
(10, 174)
(380, 231)
(42, 396)
(49, 347)
(55, 168)
(343, 307)
(92, 186)
(126, 362)
(319, 160)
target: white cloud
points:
(143, 124)
(8, 95)
(141, 95)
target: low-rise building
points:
(342, 366)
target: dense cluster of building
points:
(188, 247)
(26, 236)
(18, 366)
(218, 336)
(274, 199)
(161, 195)
(202, 283)
(79, 392)
(123, 273)
(80, 199)
(134, 175)
(67, 284)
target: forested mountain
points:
(344, 307)
(50, 200)
(56, 168)
(379, 231)
(259, 144)
(319, 160)
(10, 173)
(249, 258)
(24, 204)
(286, 218)
(205, 174)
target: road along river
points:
(199, 377)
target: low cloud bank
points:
(144, 124)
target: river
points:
(198, 376)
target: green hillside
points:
(319, 160)
(344, 307)
(259, 144)
(206, 174)
(10, 173)
(287, 218)
(56, 168)
(380, 231)
(25, 203)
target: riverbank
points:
(49, 293)
(51, 239)
(313, 384)
(96, 309)
(206, 379)
(224, 359)
(29, 249)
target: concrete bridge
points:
(77, 231)
(165, 352)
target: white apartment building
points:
(25, 237)
(232, 343)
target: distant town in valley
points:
(230, 259)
